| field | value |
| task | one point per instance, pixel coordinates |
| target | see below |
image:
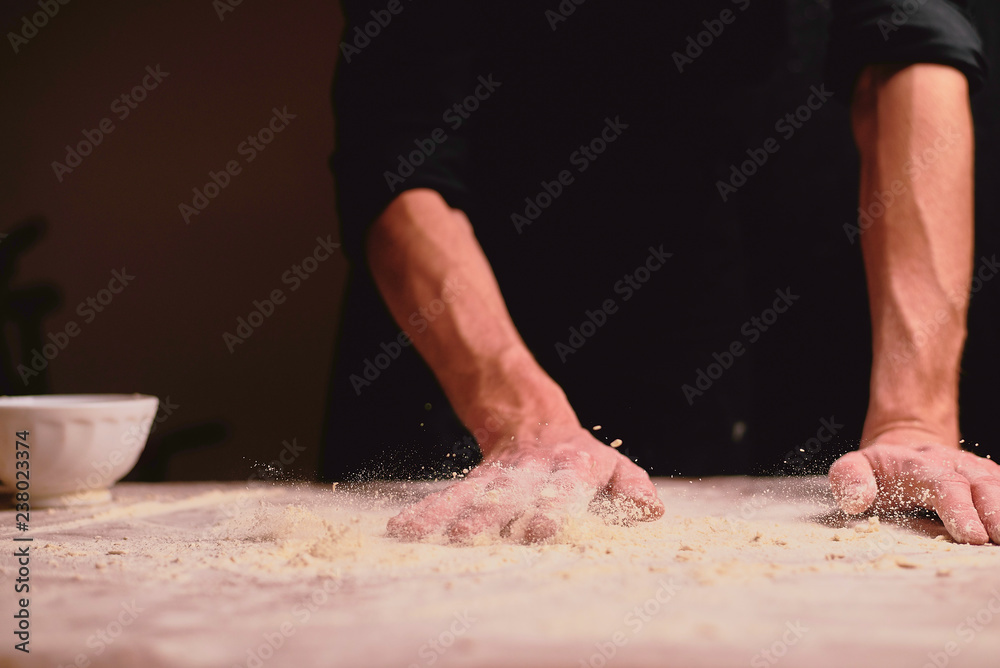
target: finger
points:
(952, 499)
(852, 482)
(985, 484)
(631, 484)
(504, 500)
(567, 492)
(437, 510)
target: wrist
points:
(912, 412)
(510, 398)
(912, 428)
(915, 383)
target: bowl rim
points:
(41, 402)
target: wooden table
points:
(740, 571)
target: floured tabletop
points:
(739, 571)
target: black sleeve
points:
(865, 32)
(397, 76)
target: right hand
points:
(895, 474)
(548, 473)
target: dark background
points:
(163, 334)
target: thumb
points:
(632, 483)
(852, 482)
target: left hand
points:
(962, 488)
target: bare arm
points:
(421, 249)
(536, 454)
(913, 127)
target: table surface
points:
(740, 571)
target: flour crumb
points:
(872, 526)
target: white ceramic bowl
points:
(79, 445)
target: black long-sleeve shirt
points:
(583, 140)
(561, 72)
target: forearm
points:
(421, 251)
(914, 131)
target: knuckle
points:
(987, 482)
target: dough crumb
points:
(872, 526)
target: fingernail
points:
(853, 498)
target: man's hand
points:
(962, 488)
(542, 480)
(542, 463)
(913, 128)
